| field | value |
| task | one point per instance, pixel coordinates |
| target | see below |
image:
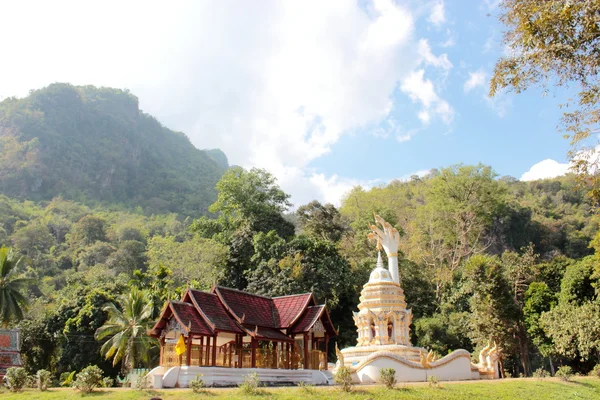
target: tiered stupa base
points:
(354, 355)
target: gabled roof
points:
(287, 309)
(266, 333)
(187, 316)
(211, 309)
(247, 308)
(310, 318)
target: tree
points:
(304, 264)
(323, 221)
(574, 329)
(556, 43)
(12, 300)
(253, 197)
(493, 311)
(539, 299)
(461, 203)
(87, 231)
(198, 260)
(127, 326)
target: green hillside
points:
(94, 145)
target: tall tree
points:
(12, 300)
(127, 326)
(461, 203)
(556, 43)
(255, 198)
(323, 221)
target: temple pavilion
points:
(235, 329)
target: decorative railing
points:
(226, 356)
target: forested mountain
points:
(480, 257)
(94, 145)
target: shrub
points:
(305, 387)
(387, 376)
(433, 381)
(565, 373)
(43, 379)
(595, 371)
(108, 382)
(197, 384)
(251, 385)
(66, 379)
(142, 382)
(15, 378)
(88, 379)
(343, 377)
(540, 373)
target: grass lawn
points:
(522, 389)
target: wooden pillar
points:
(253, 344)
(326, 351)
(201, 358)
(188, 356)
(289, 355)
(207, 360)
(239, 352)
(306, 361)
(162, 350)
(214, 352)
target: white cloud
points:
(421, 90)
(450, 41)
(545, 169)
(274, 84)
(429, 58)
(438, 14)
(476, 79)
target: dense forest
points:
(94, 146)
(482, 257)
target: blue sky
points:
(325, 95)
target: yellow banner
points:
(180, 346)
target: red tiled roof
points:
(287, 309)
(265, 333)
(210, 305)
(188, 316)
(307, 320)
(248, 308)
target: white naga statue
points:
(488, 358)
(388, 237)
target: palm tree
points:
(127, 325)
(12, 301)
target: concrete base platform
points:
(161, 377)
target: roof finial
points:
(379, 260)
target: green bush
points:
(343, 377)
(108, 382)
(66, 379)
(387, 376)
(88, 379)
(595, 371)
(142, 382)
(43, 379)
(197, 384)
(251, 385)
(540, 373)
(433, 381)
(565, 373)
(15, 378)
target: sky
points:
(326, 95)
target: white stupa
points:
(383, 326)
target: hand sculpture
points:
(387, 236)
